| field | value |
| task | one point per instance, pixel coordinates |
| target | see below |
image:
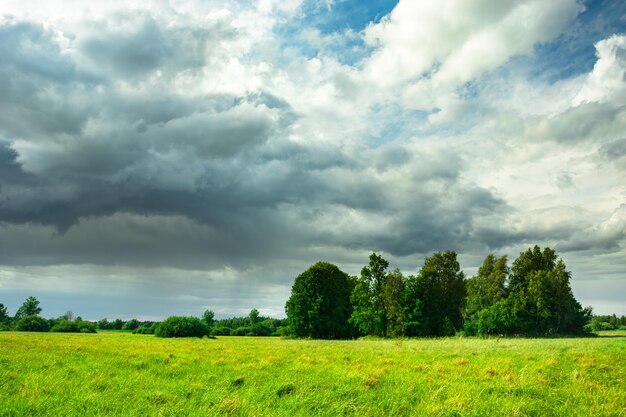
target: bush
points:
(241, 331)
(261, 329)
(176, 326)
(221, 331)
(87, 326)
(32, 324)
(67, 326)
(146, 328)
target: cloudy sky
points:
(163, 157)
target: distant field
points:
(119, 374)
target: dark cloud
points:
(128, 160)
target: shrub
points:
(221, 331)
(131, 324)
(67, 326)
(241, 331)
(32, 324)
(87, 326)
(176, 326)
(146, 328)
(261, 329)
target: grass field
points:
(112, 374)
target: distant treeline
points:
(533, 297)
(27, 318)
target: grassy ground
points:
(112, 374)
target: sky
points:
(166, 157)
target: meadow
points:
(120, 374)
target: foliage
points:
(209, 318)
(394, 303)
(369, 313)
(221, 331)
(319, 305)
(32, 323)
(177, 326)
(29, 308)
(440, 289)
(603, 323)
(4, 314)
(131, 324)
(73, 326)
(488, 286)
(539, 299)
(146, 328)
(242, 331)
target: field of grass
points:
(119, 374)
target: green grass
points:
(120, 374)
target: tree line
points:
(27, 318)
(532, 297)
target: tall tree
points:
(488, 286)
(369, 313)
(319, 305)
(29, 308)
(393, 301)
(209, 318)
(539, 299)
(4, 314)
(439, 292)
(254, 316)
(533, 259)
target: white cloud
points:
(607, 81)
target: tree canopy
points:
(29, 308)
(319, 306)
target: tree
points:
(369, 313)
(393, 301)
(253, 317)
(29, 308)
(176, 326)
(532, 260)
(4, 314)
(209, 318)
(32, 323)
(440, 289)
(319, 305)
(131, 324)
(538, 300)
(488, 286)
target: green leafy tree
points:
(131, 324)
(253, 317)
(209, 318)
(539, 300)
(29, 308)
(32, 323)
(176, 326)
(534, 259)
(369, 313)
(440, 289)
(393, 301)
(319, 305)
(488, 286)
(4, 314)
